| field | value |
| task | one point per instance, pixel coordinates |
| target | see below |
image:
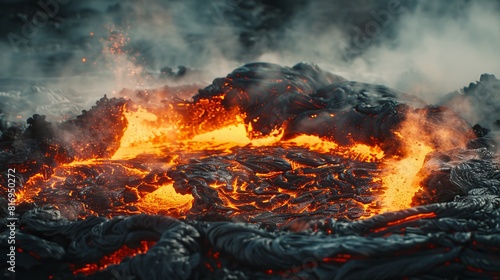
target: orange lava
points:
(163, 133)
(400, 176)
(412, 218)
(357, 151)
(164, 199)
(407, 219)
(115, 258)
(143, 135)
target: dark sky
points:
(442, 44)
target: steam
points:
(428, 48)
(437, 52)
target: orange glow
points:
(114, 258)
(339, 258)
(357, 151)
(367, 153)
(143, 135)
(146, 135)
(30, 189)
(163, 199)
(228, 137)
(155, 136)
(314, 143)
(400, 177)
(406, 219)
(84, 59)
(412, 218)
(161, 136)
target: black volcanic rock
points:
(305, 99)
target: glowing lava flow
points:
(114, 258)
(230, 136)
(357, 151)
(163, 199)
(400, 179)
(151, 145)
(143, 135)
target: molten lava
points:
(252, 147)
(114, 258)
(143, 175)
(165, 200)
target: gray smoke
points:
(427, 48)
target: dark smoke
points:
(427, 48)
